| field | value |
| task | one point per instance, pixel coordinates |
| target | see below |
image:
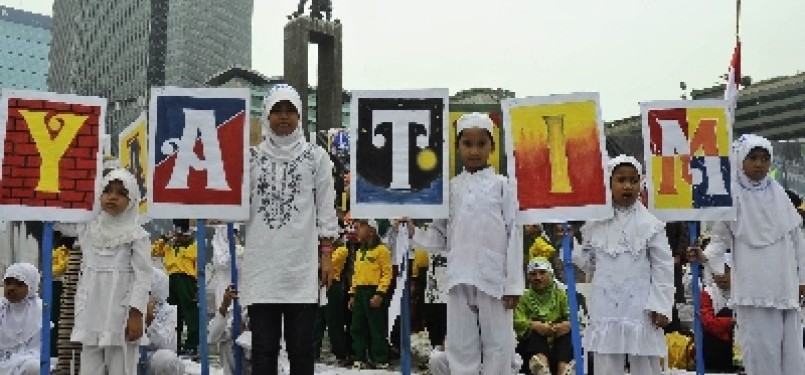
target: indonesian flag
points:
(733, 81)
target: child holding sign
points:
(768, 256)
(633, 279)
(112, 293)
(485, 262)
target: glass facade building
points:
(24, 46)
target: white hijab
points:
(718, 296)
(21, 321)
(283, 148)
(108, 231)
(631, 228)
(765, 214)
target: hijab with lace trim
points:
(765, 214)
(631, 227)
(288, 147)
(21, 321)
(108, 231)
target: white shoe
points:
(538, 366)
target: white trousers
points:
(614, 364)
(480, 335)
(109, 360)
(770, 341)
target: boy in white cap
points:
(485, 259)
(288, 236)
(633, 279)
(768, 257)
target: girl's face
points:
(115, 198)
(540, 279)
(625, 183)
(364, 231)
(14, 290)
(756, 165)
(474, 147)
(283, 118)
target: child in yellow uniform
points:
(370, 283)
(332, 315)
(179, 255)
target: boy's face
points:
(114, 198)
(625, 183)
(14, 290)
(474, 147)
(283, 118)
(756, 165)
(364, 231)
(540, 279)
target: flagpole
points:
(737, 20)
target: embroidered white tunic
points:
(112, 281)
(633, 270)
(484, 242)
(292, 206)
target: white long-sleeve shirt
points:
(292, 206)
(481, 235)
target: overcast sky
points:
(628, 50)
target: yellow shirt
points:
(421, 260)
(540, 248)
(372, 267)
(181, 260)
(339, 259)
(60, 257)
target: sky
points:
(627, 50)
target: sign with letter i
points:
(197, 150)
(687, 151)
(50, 155)
(556, 151)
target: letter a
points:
(199, 122)
(50, 149)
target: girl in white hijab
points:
(20, 321)
(768, 256)
(161, 323)
(115, 280)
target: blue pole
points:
(570, 278)
(202, 296)
(698, 337)
(143, 360)
(47, 296)
(405, 317)
(230, 233)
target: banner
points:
(556, 154)
(133, 155)
(398, 156)
(50, 155)
(687, 149)
(197, 150)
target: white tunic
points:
(15, 358)
(292, 206)
(162, 331)
(483, 239)
(112, 281)
(633, 271)
(219, 333)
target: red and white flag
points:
(733, 81)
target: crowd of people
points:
(506, 305)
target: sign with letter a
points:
(687, 151)
(398, 154)
(556, 154)
(50, 154)
(197, 152)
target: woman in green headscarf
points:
(542, 323)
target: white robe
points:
(219, 333)
(633, 271)
(22, 358)
(291, 208)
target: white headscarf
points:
(108, 231)
(631, 228)
(21, 321)
(765, 214)
(159, 285)
(165, 362)
(287, 147)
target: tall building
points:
(120, 49)
(24, 47)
